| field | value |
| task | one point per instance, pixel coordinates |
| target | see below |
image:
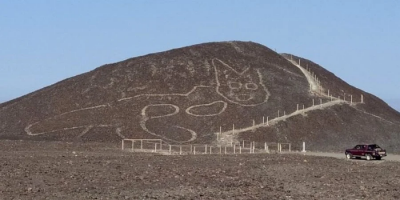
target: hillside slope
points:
(190, 94)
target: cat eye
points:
(251, 86)
(234, 85)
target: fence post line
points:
(303, 106)
(254, 123)
(141, 144)
(267, 121)
(205, 149)
(362, 98)
(243, 143)
(240, 150)
(155, 147)
(122, 144)
(133, 144)
(290, 147)
(263, 120)
(304, 147)
(297, 107)
(313, 102)
(170, 149)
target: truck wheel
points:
(349, 156)
(368, 156)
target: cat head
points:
(244, 88)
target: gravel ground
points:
(54, 170)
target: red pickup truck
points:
(369, 151)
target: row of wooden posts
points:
(266, 122)
(202, 149)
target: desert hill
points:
(209, 93)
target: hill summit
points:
(212, 93)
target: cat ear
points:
(222, 68)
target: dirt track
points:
(54, 170)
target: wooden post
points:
(362, 98)
(284, 113)
(313, 102)
(170, 149)
(225, 149)
(297, 109)
(160, 144)
(233, 129)
(263, 120)
(141, 144)
(328, 93)
(205, 149)
(267, 121)
(299, 62)
(133, 144)
(234, 149)
(304, 147)
(243, 143)
(194, 150)
(351, 99)
(278, 113)
(290, 147)
(180, 149)
(303, 106)
(254, 123)
(123, 145)
(240, 150)
(155, 147)
(210, 149)
(344, 97)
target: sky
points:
(43, 42)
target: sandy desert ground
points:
(56, 170)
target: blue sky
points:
(43, 42)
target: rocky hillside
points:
(210, 93)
